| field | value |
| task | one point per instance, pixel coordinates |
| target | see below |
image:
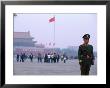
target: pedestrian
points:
(39, 58)
(57, 58)
(49, 57)
(31, 57)
(17, 57)
(45, 58)
(22, 57)
(62, 57)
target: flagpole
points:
(54, 29)
(54, 33)
(53, 20)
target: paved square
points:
(71, 67)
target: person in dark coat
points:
(22, 57)
(17, 57)
(45, 58)
(85, 55)
(39, 58)
(57, 58)
(31, 57)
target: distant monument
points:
(24, 43)
(23, 39)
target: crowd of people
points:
(47, 58)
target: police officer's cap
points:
(86, 36)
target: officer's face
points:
(86, 40)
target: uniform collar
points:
(85, 44)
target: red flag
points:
(52, 19)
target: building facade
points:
(23, 39)
(23, 43)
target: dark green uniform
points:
(85, 63)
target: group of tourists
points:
(47, 58)
(22, 57)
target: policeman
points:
(85, 55)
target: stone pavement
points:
(71, 67)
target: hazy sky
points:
(69, 28)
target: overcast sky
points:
(69, 28)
